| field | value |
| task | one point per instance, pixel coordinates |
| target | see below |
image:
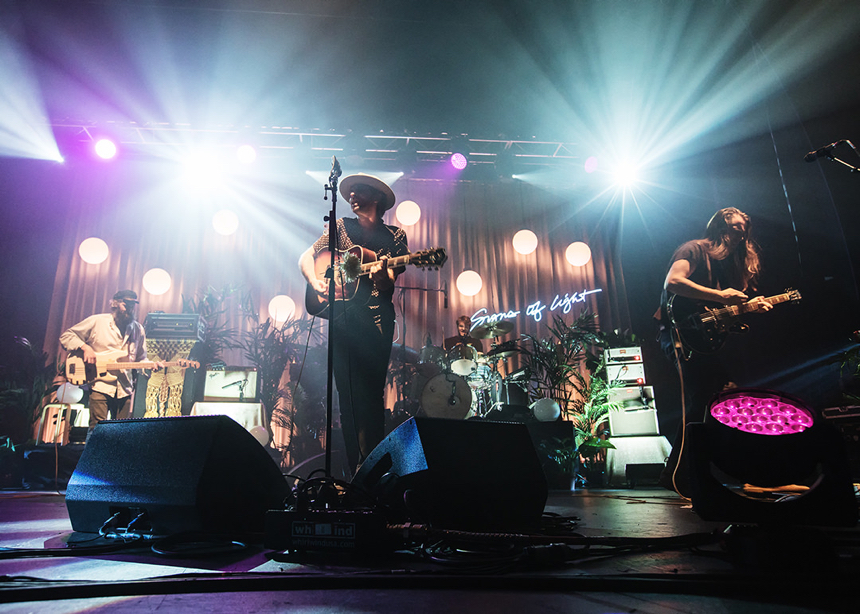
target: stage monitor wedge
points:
(455, 474)
(186, 473)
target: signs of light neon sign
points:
(535, 310)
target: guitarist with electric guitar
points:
(706, 290)
(369, 256)
(95, 344)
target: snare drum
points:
(446, 396)
(463, 359)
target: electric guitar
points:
(79, 372)
(704, 327)
(350, 266)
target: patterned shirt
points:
(383, 240)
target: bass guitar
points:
(351, 266)
(79, 372)
(704, 327)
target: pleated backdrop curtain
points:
(148, 222)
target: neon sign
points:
(535, 310)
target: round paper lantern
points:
(469, 283)
(69, 394)
(156, 281)
(525, 241)
(578, 253)
(282, 308)
(225, 222)
(260, 434)
(93, 250)
(408, 212)
(546, 410)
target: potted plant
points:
(567, 366)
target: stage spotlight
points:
(246, 154)
(763, 456)
(459, 161)
(156, 281)
(105, 149)
(626, 174)
(203, 170)
(469, 283)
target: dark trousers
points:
(103, 407)
(361, 354)
(703, 376)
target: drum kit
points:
(463, 382)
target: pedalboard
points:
(364, 532)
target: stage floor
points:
(632, 564)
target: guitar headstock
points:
(793, 295)
(186, 364)
(429, 258)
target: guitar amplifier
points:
(621, 355)
(625, 373)
(160, 325)
(231, 384)
(637, 415)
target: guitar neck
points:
(736, 310)
(392, 262)
(113, 366)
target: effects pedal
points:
(362, 532)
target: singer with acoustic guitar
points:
(717, 271)
(363, 315)
(110, 392)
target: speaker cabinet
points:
(201, 473)
(473, 475)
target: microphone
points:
(445, 293)
(812, 156)
(335, 167)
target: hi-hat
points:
(491, 331)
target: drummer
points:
(464, 327)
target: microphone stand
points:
(331, 218)
(851, 167)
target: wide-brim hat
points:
(347, 184)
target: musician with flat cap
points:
(103, 332)
(363, 325)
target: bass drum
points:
(431, 360)
(446, 396)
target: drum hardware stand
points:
(400, 396)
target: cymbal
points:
(501, 352)
(491, 331)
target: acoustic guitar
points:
(79, 372)
(704, 327)
(350, 268)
